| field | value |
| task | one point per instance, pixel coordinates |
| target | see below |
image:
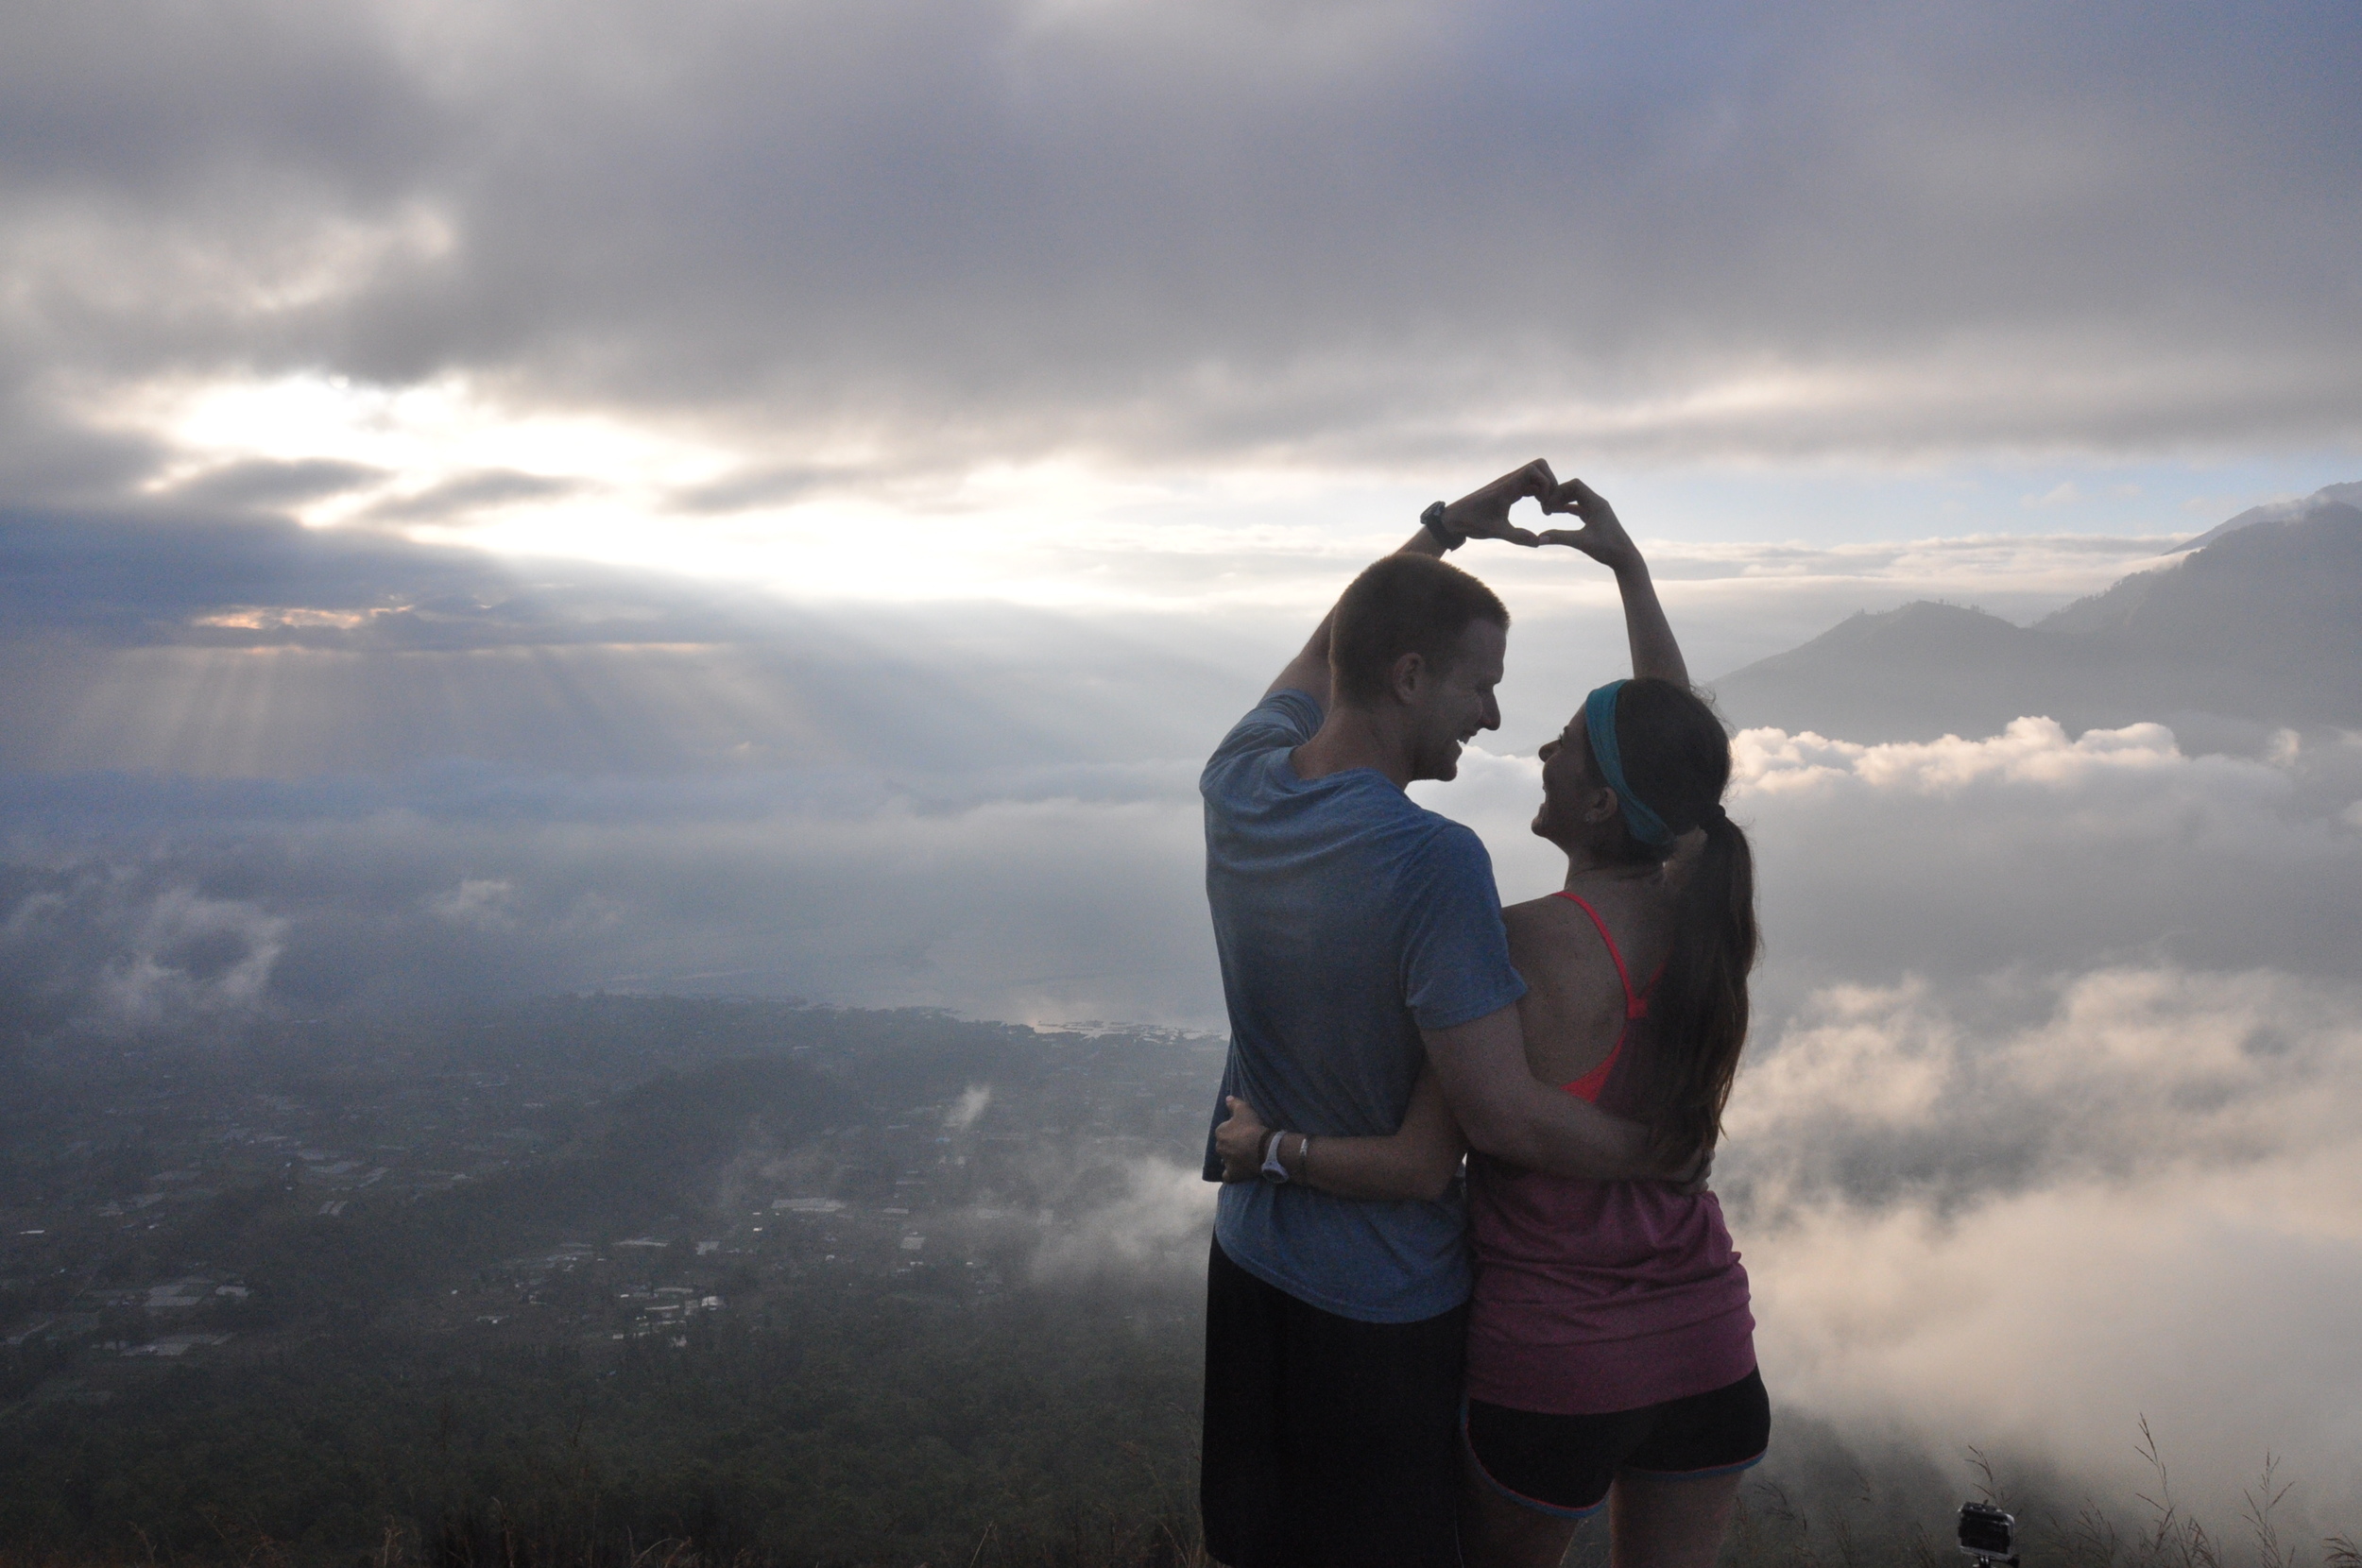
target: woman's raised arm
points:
(1654, 652)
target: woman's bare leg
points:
(1668, 1521)
(1497, 1533)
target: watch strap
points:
(1432, 521)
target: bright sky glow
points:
(422, 434)
(1063, 534)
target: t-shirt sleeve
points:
(1456, 965)
(1285, 718)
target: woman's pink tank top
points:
(1601, 1296)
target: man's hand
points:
(1240, 1141)
(1483, 514)
(1601, 535)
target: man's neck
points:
(1355, 737)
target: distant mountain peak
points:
(2304, 538)
(2276, 511)
(1921, 622)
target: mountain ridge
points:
(2272, 511)
(2257, 630)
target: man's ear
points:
(1409, 673)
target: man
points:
(1361, 938)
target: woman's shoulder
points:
(1554, 944)
(1573, 1009)
(1640, 906)
(1557, 933)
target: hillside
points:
(2258, 629)
(547, 1282)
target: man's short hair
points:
(1404, 605)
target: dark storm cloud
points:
(1308, 229)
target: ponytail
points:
(1698, 1014)
(1677, 758)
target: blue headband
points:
(1599, 720)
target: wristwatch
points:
(1432, 521)
(1274, 1172)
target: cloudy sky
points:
(780, 497)
(1082, 301)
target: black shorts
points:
(1327, 1440)
(1562, 1464)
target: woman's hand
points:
(1240, 1141)
(1601, 535)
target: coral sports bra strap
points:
(1592, 1083)
(1635, 1002)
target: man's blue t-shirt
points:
(1347, 918)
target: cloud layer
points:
(1066, 889)
(1067, 897)
(2139, 1204)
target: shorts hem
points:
(1705, 1474)
(1556, 1510)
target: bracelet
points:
(1304, 1157)
(1432, 521)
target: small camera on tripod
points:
(1987, 1536)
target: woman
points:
(1611, 1357)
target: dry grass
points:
(1772, 1530)
(1852, 1525)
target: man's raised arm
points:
(1309, 670)
(1481, 514)
(1506, 1112)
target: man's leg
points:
(1243, 1494)
(1372, 1439)
(1240, 1491)
(1327, 1441)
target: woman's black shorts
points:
(1562, 1464)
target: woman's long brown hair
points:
(1677, 758)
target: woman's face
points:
(1565, 779)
